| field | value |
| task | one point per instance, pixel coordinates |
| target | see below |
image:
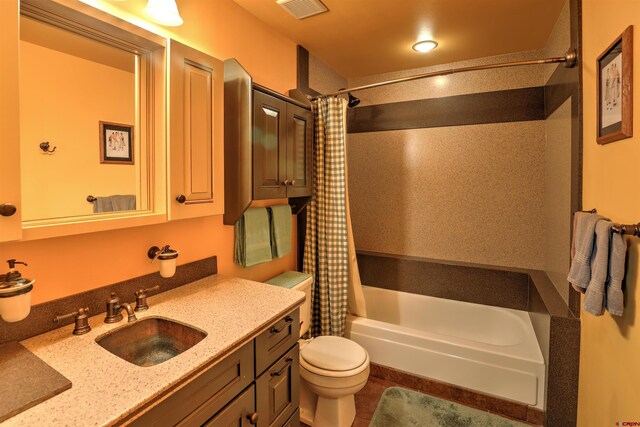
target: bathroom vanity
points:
(243, 372)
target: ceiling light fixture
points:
(424, 46)
(163, 12)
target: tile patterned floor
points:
(367, 400)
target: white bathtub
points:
(489, 349)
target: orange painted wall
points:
(72, 264)
(609, 362)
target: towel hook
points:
(44, 146)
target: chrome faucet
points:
(114, 310)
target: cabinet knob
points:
(181, 198)
(253, 418)
(286, 182)
(7, 209)
(293, 182)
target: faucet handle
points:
(81, 319)
(141, 298)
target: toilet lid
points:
(334, 353)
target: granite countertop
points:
(105, 388)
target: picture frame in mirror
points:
(116, 143)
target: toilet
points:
(332, 369)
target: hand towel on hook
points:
(617, 258)
(594, 296)
(583, 234)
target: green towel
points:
(280, 230)
(288, 279)
(253, 245)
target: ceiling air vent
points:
(301, 9)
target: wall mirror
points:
(89, 117)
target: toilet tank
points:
(300, 282)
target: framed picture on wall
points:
(615, 89)
(116, 143)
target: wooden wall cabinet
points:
(257, 384)
(268, 144)
(196, 185)
(282, 136)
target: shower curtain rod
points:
(569, 60)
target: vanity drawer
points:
(277, 390)
(294, 421)
(237, 413)
(203, 396)
(276, 340)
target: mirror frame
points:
(103, 27)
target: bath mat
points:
(400, 407)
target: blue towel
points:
(594, 296)
(617, 257)
(584, 232)
(253, 238)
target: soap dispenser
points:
(15, 294)
(167, 259)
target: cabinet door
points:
(238, 413)
(203, 396)
(269, 147)
(10, 216)
(299, 146)
(277, 390)
(196, 133)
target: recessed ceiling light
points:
(424, 46)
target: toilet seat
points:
(332, 356)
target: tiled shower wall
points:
(471, 193)
(558, 152)
(494, 193)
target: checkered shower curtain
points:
(326, 250)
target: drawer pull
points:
(276, 330)
(253, 418)
(281, 371)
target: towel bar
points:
(626, 229)
(91, 199)
(630, 229)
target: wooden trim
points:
(280, 96)
(626, 127)
(479, 108)
(93, 23)
(238, 141)
(575, 18)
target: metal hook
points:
(44, 146)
